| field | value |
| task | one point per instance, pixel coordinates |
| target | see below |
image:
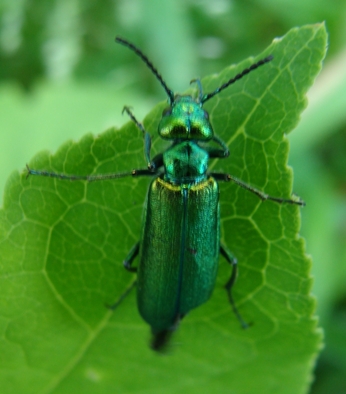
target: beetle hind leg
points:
(122, 296)
(128, 266)
(228, 286)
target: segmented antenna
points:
(208, 96)
(148, 63)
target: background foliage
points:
(62, 76)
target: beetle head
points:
(185, 119)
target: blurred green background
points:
(61, 76)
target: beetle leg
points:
(217, 153)
(121, 298)
(146, 136)
(130, 257)
(198, 82)
(228, 286)
(128, 265)
(263, 196)
(96, 177)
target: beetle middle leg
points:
(228, 286)
(263, 196)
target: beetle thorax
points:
(185, 162)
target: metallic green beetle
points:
(180, 242)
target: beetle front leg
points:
(228, 286)
(146, 136)
(217, 153)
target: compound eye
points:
(167, 111)
(206, 115)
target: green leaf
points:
(62, 245)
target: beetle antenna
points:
(148, 63)
(208, 96)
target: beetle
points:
(180, 243)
